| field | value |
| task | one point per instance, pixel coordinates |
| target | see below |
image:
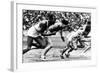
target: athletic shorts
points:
(41, 41)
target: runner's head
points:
(51, 19)
(43, 26)
(65, 22)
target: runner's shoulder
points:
(44, 21)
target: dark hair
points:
(65, 22)
(50, 16)
(89, 22)
(43, 27)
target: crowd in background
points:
(76, 19)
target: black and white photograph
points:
(52, 36)
(55, 35)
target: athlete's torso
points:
(34, 31)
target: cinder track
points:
(54, 55)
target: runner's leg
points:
(45, 51)
(47, 48)
(29, 43)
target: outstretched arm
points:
(48, 33)
(62, 36)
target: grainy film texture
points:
(55, 36)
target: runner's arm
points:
(62, 36)
(48, 33)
